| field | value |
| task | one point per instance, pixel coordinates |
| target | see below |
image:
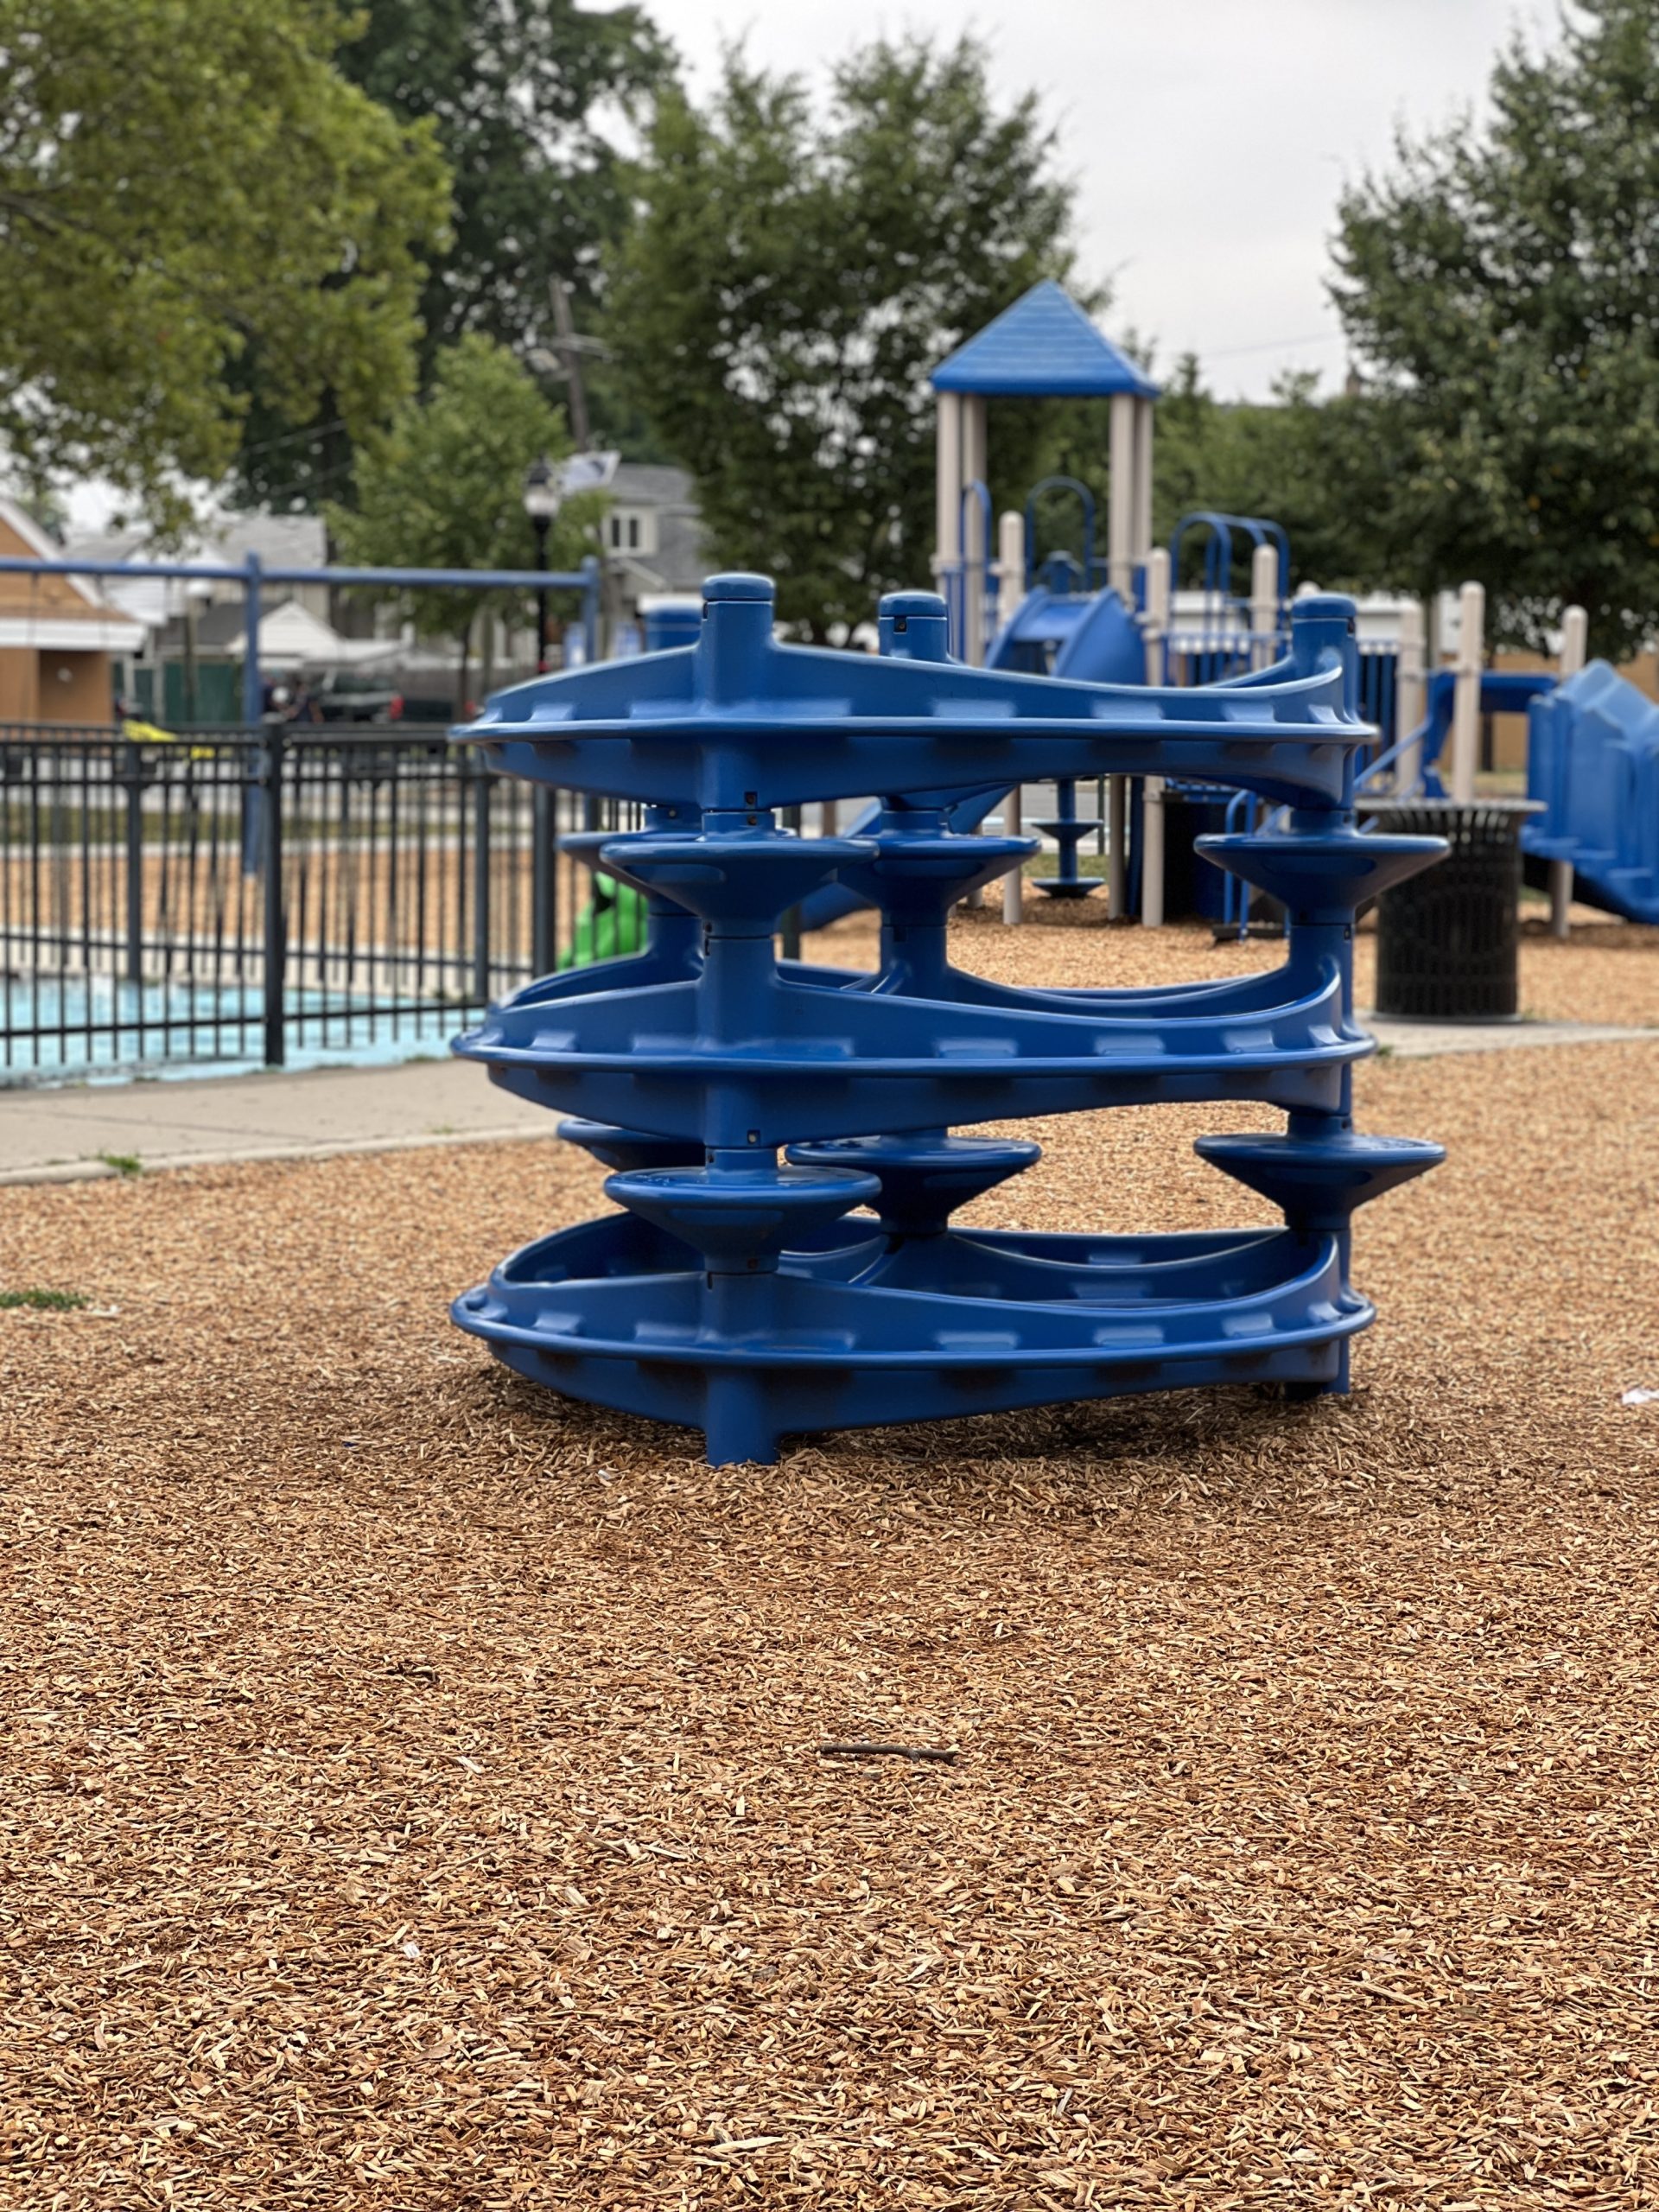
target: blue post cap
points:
(738, 583)
(900, 606)
(1324, 606)
(913, 626)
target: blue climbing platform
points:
(1593, 760)
(783, 1138)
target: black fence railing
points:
(275, 897)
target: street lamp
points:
(541, 504)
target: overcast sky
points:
(1210, 137)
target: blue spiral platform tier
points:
(781, 1136)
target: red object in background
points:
(395, 707)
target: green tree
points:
(182, 183)
(792, 278)
(1500, 285)
(519, 94)
(444, 488)
(1320, 467)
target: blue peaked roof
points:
(1042, 347)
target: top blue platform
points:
(1042, 347)
(738, 723)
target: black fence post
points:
(276, 932)
(482, 781)
(133, 779)
(544, 882)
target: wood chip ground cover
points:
(411, 1795)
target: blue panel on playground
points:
(675, 623)
(1091, 636)
(784, 1138)
(1043, 346)
(1593, 760)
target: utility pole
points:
(541, 504)
(568, 349)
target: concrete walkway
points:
(103, 1128)
(1414, 1040)
(93, 1129)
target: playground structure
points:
(1592, 745)
(749, 1296)
(1594, 763)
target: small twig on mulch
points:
(887, 1751)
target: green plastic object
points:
(611, 925)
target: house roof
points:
(288, 632)
(281, 541)
(54, 614)
(39, 544)
(651, 484)
(1042, 347)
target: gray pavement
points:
(1414, 1040)
(82, 1131)
(68, 1134)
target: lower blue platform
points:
(858, 1327)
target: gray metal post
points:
(482, 781)
(1117, 835)
(270, 787)
(252, 686)
(590, 609)
(135, 783)
(1561, 898)
(544, 882)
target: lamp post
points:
(541, 504)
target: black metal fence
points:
(268, 897)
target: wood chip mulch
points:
(412, 1794)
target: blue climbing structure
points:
(782, 1137)
(1593, 759)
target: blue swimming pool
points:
(73, 1029)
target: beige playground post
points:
(947, 487)
(1576, 650)
(973, 529)
(1410, 694)
(1264, 605)
(1465, 703)
(1156, 629)
(1011, 579)
(1120, 497)
(1140, 533)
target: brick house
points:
(58, 639)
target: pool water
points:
(75, 1030)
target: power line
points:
(1271, 345)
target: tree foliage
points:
(512, 88)
(1320, 466)
(792, 278)
(522, 96)
(1501, 287)
(182, 183)
(444, 488)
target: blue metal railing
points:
(253, 576)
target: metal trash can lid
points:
(1464, 822)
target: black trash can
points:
(1447, 941)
